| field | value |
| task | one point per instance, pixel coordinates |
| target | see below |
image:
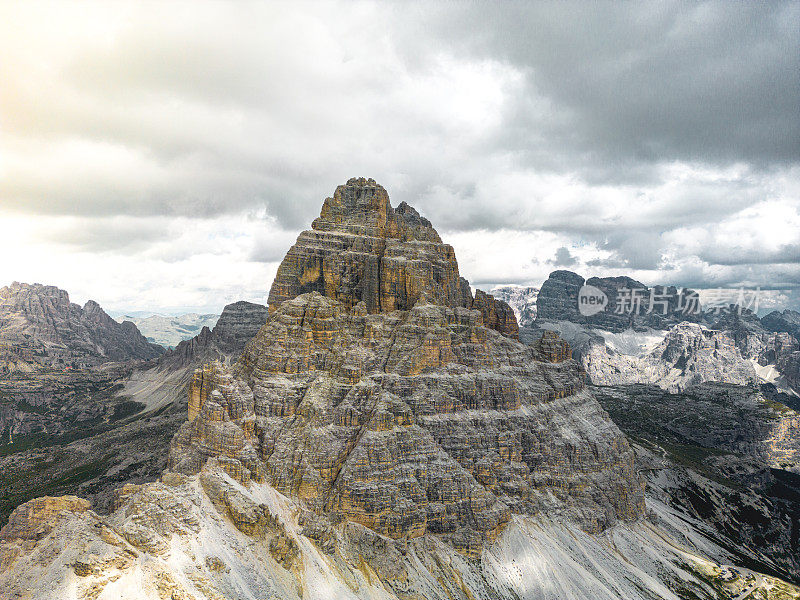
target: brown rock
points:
(360, 249)
(551, 348)
(36, 518)
(380, 390)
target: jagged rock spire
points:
(360, 249)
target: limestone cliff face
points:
(39, 322)
(236, 326)
(557, 300)
(411, 422)
(360, 249)
(408, 413)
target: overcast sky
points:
(164, 156)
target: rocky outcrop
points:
(496, 314)
(522, 301)
(731, 345)
(551, 348)
(405, 418)
(771, 342)
(170, 330)
(685, 355)
(208, 536)
(36, 518)
(415, 421)
(373, 441)
(558, 301)
(787, 321)
(41, 323)
(789, 366)
(361, 250)
(236, 326)
(106, 425)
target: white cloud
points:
(188, 143)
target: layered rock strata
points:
(360, 249)
(39, 324)
(408, 409)
(237, 325)
(208, 536)
(557, 300)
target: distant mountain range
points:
(673, 345)
(40, 326)
(167, 330)
(55, 420)
(521, 299)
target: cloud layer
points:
(175, 150)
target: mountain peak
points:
(361, 249)
(63, 333)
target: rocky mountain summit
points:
(360, 249)
(40, 326)
(166, 382)
(787, 321)
(89, 431)
(237, 325)
(687, 355)
(558, 301)
(417, 408)
(385, 434)
(685, 346)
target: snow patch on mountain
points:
(521, 299)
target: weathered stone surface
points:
(88, 557)
(39, 325)
(389, 429)
(688, 354)
(405, 408)
(236, 326)
(413, 421)
(360, 249)
(789, 366)
(284, 550)
(558, 301)
(148, 515)
(496, 314)
(551, 348)
(787, 321)
(247, 516)
(36, 518)
(718, 344)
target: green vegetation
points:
(126, 408)
(64, 483)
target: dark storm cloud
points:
(786, 254)
(631, 84)
(563, 258)
(631, 130)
